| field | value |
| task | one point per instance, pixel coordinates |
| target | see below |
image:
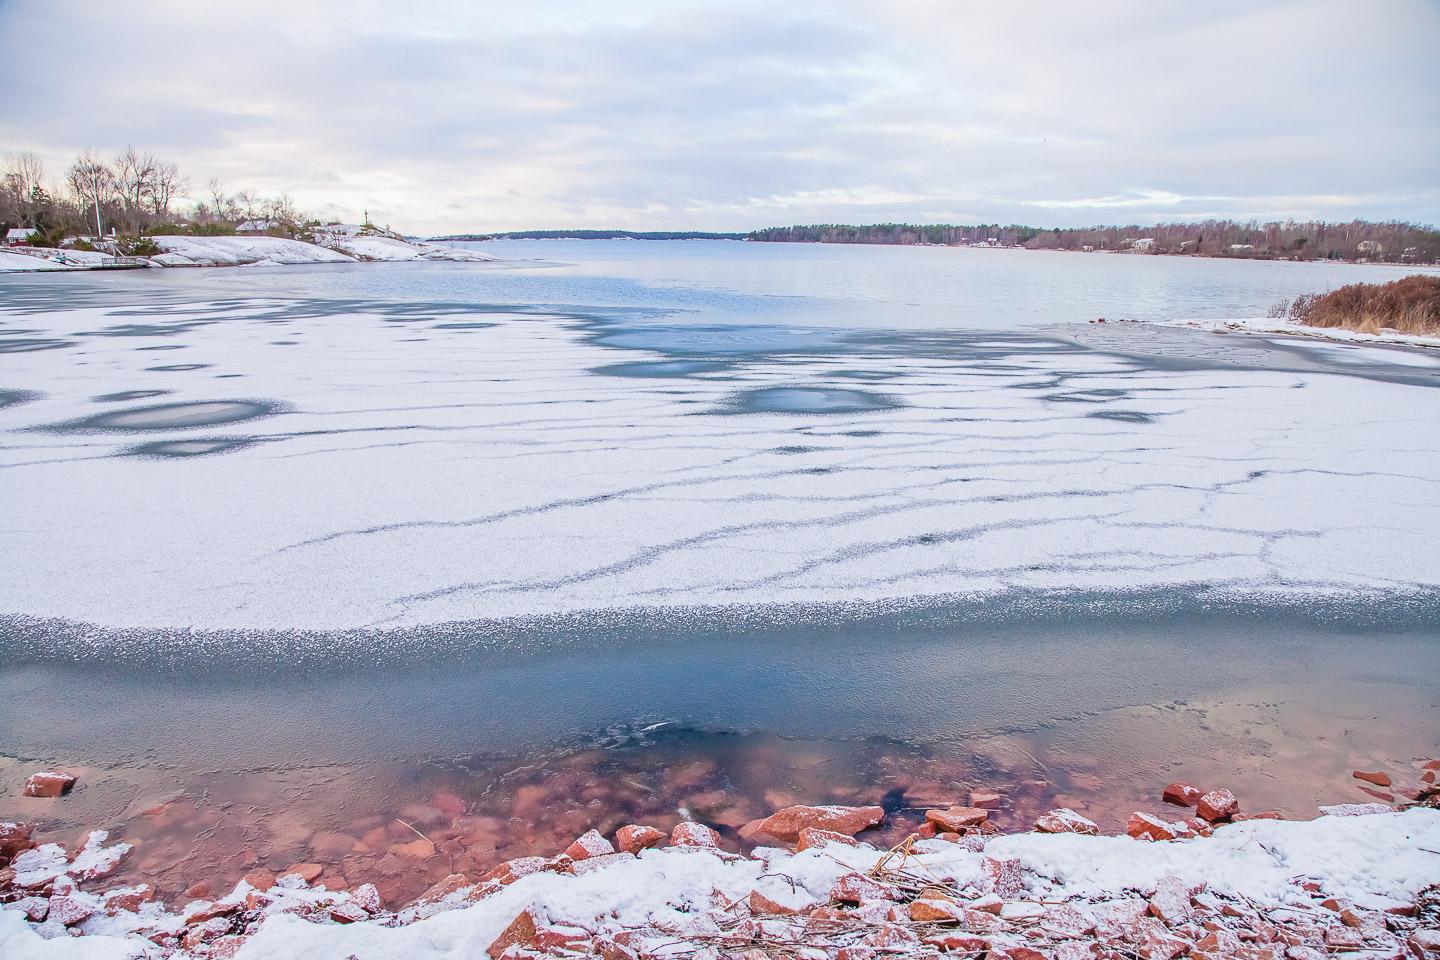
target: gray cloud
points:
(449, 116)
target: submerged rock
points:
(788, 823)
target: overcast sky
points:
(442, 117)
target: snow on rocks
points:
(633, 838)
(957, 819)
(14, 837)
(235, 251)
(687, 833)
(1144, 826)
(1288, 890)
(95, 860)
(50, 783)
(1066, 820)
(1217, 805)
(1182, 795)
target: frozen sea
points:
(308, 514)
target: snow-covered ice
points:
(425, 463)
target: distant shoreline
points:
(1356, 241)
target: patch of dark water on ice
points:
(185, 449)
(809, 400)
(172, 416)
(126, 395)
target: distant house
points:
(1369, 248)
(256, 226)
(1241, 247)
(1087, 248)
(1145, 245)
(19, 236)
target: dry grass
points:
(1410, 305)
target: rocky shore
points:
(1197, 876)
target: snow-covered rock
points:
(232, 251)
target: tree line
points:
(1391, 241)
(130, 194)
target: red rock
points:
(1202, 828)
(815, 837)
(589, 844)
(1217, 805)
(763, 906)
(1262, 815)
(1344, 938)
(984, 799)
(512, 870)
(1064, 921)
(892, 938)
(1182, 795)
(1006, 877)
(635, 837)
(1376, 777)
(1154, 942)
(36, 908)
(610, 949)
(1144, 825)
(211, 929)
(14, 837)
(309, 872)
(927, 831)
(261, 880)
(367, 896)
(957, 819)
(965, 944)
(50, 783)
(688, 833)
(448, 803)
(209, 911)
(521, 931)
(417, 849)
(1171, 901)
(1222, 941)
(786, 824)
(855, 953)
(1113, 918)
(935, 910)
(127, 898)
(1065, 820)
(348, 912)
(443, 888)
(1015, 952)
(856, 888)
(1424, 943)
(226, 947)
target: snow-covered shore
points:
(232, 251)
(1358, 881)
(1270, 326)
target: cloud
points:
(456, 116)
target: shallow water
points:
(491, 551)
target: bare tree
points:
(166, 184)
(134, 182)
(22, 189)
(91, 182)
